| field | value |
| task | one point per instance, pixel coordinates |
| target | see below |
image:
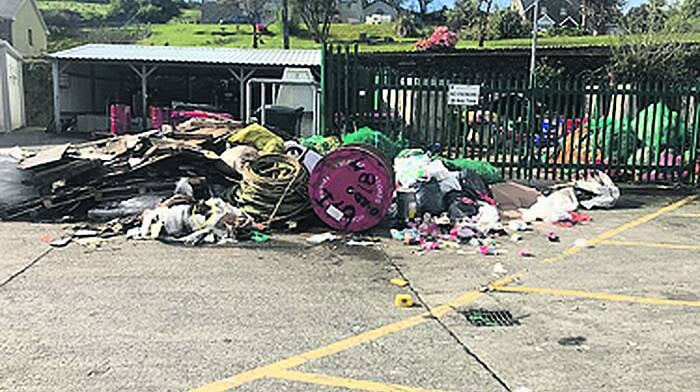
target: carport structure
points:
(88, 78)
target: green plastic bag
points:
(376, 139)
(488, 172)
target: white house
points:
(378, 11)
(552, 13)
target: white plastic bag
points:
(553, 208)
(601, 185)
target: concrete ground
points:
(287, 316)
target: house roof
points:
(4, 45)
(9, 9)
(190, 55)
(551, 4)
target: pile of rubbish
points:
(655, 140)
(216, 181)
(439, 208)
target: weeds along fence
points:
(557, 128)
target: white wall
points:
(3, 103)
(11, 90)
(15, 92)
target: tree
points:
(649, 56)
(511, 25)
(484, 20)
(255, 10)
(472, 15)
(423, 6)
(646, 52)
(147, 11)
(691, 9)
(465, 14)
(317, 16)
(285, 24)
(647, 18)
(406, 26)
(598, 14)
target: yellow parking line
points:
(353, 341)
(621, 229)
(688, 215)
(651, 245)
(599, 296)
(330, 381)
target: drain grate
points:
(490, 318)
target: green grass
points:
(188, 16)
(87, 11)
(177, 34)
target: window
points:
(562, 11)
(543, 10)
(30, 37)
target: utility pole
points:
(285, 23)
(533, 52)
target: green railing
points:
(640, 132)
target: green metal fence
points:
(557, 128)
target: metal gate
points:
(557, 128)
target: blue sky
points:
(505, 3)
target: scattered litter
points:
(552, 208)
(572, 341)
(365, 243)
(489, 250)
(321, 238)
(572, 218)
(490, 318)
(399, 282)
(518, 225)
(582, 243)
(553, 237)
(511, 196)
(61, 242)
(240, 157)
(184, 188)
(403, 301)
(525, 253)
(599, 191)
(83, 233)
(499, 269)
(120, 209)
(259, 237)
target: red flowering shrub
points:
(442, 39)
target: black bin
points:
(284, 120)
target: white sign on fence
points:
(464, 95)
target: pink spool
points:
(159, 117)
(351, 188)
(119, 119)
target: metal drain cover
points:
(490, 318)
